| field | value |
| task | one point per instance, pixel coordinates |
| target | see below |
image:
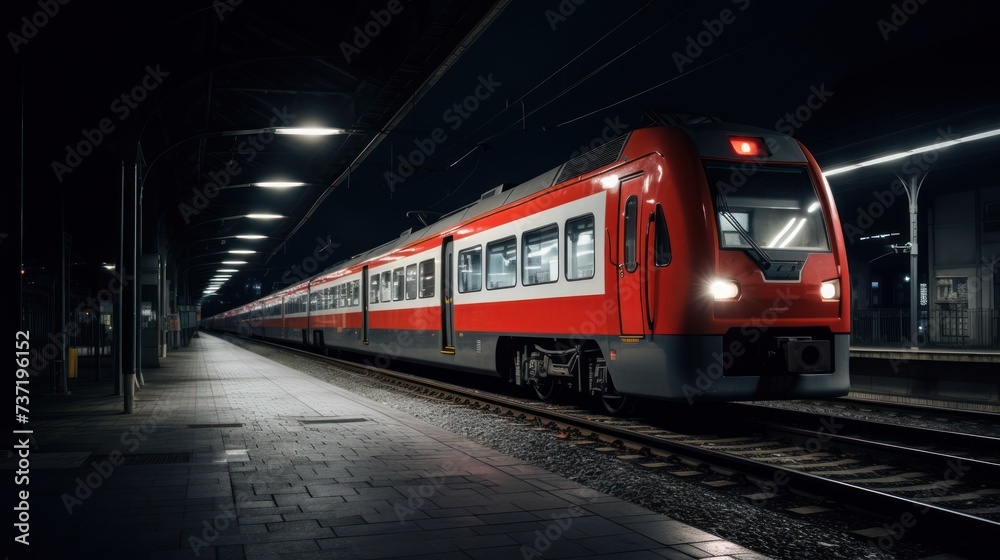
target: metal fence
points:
(958, 328)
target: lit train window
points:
(661, 241)
(373, 289)
(580, 248)
(540, 248)
(501, 263)
(470, 269)
(411, 281)
(631, 209)
(397, 284)
(356, 292)
(385, 294)
(426, 273)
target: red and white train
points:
(685, 262)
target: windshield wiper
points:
(762, 259)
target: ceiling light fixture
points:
(309, 131)
(920, 150)
(278, 184)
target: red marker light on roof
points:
(747, 146)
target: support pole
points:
(912, 187)
(116, 321)
(914, 282)
(130, 270)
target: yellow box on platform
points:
(71, 362)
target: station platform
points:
(948, 378)
(233, 456)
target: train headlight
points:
(830, 290)
(725, 289)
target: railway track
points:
(900, 475)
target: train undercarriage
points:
(556, 368)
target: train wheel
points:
(616, 404)
(547, 390)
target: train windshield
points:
(766, 207)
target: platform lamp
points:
(912, 186)
(131, 251)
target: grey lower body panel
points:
(692, 369)
(679, 368)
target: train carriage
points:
(686, 262)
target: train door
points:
(447, 302)
(364, 305)
(630, 268)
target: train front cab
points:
(736, 257)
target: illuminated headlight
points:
(725, 289)
(830, 290)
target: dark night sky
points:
(560, 71)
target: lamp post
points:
(912, 188)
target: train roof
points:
(502, 195)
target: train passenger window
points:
(540, 262)
(580, 248)
(501, 263)
(426, 273)
(356, 293)
(631, 210)
(342, 300)
(385, 294)
(397, 284)
(314, 300)
(373, 289)
(411, 281)
(470, 269)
